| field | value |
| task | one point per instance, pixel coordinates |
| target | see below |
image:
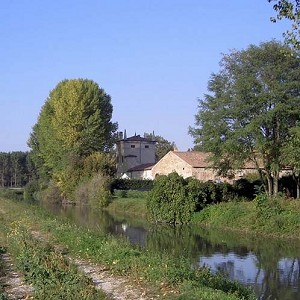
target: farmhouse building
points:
(135, 154)
(136, 160)
(194, 164)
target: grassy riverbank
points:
(276, 217)
(273, 217)
(132, 203)
(170, 277)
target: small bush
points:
(51, 194)
(30, 191)
(94, 192)
(267, 207)
(169, 200)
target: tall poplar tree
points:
(74, 122)
(252, 103)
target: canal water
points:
(270, 266)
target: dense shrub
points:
(94, 192)
(267, 207)
(131, 194)
(132, 184)
(169, 200)
(51, 194)
(205, 193)
(287, 185)
(173, 199)
(246, 188)
(31, 190)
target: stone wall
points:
(170, 163)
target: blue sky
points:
(154, 58)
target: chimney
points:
(120, 135)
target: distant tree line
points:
(16, 170)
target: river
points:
(270, 266)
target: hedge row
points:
(174, 199)
(132, 184)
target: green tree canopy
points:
(74, 122)
(253, 101)
(289, 10)
(291, 154)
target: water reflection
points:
(271, 267)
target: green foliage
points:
(131, 184)
(205, 193)
(173, 197)
(246, 187)
(131, 194)
(267, 207)
(51, 194)
(73, 130)
(192, 291)
(99, 162)
(30, 191)
(272, 216)
(128, 206)
(94, 192)
(169, 201)
(252, 103)
(289, 10)
(291, 156)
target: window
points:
(147, 146)
(132, 146)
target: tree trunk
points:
(260, 172)
(275, 183)
(270, 185)
(298, 187)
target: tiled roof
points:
(194, 158)
(141, 167)
(201, 159)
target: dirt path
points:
(117, 287)
(15, 286)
